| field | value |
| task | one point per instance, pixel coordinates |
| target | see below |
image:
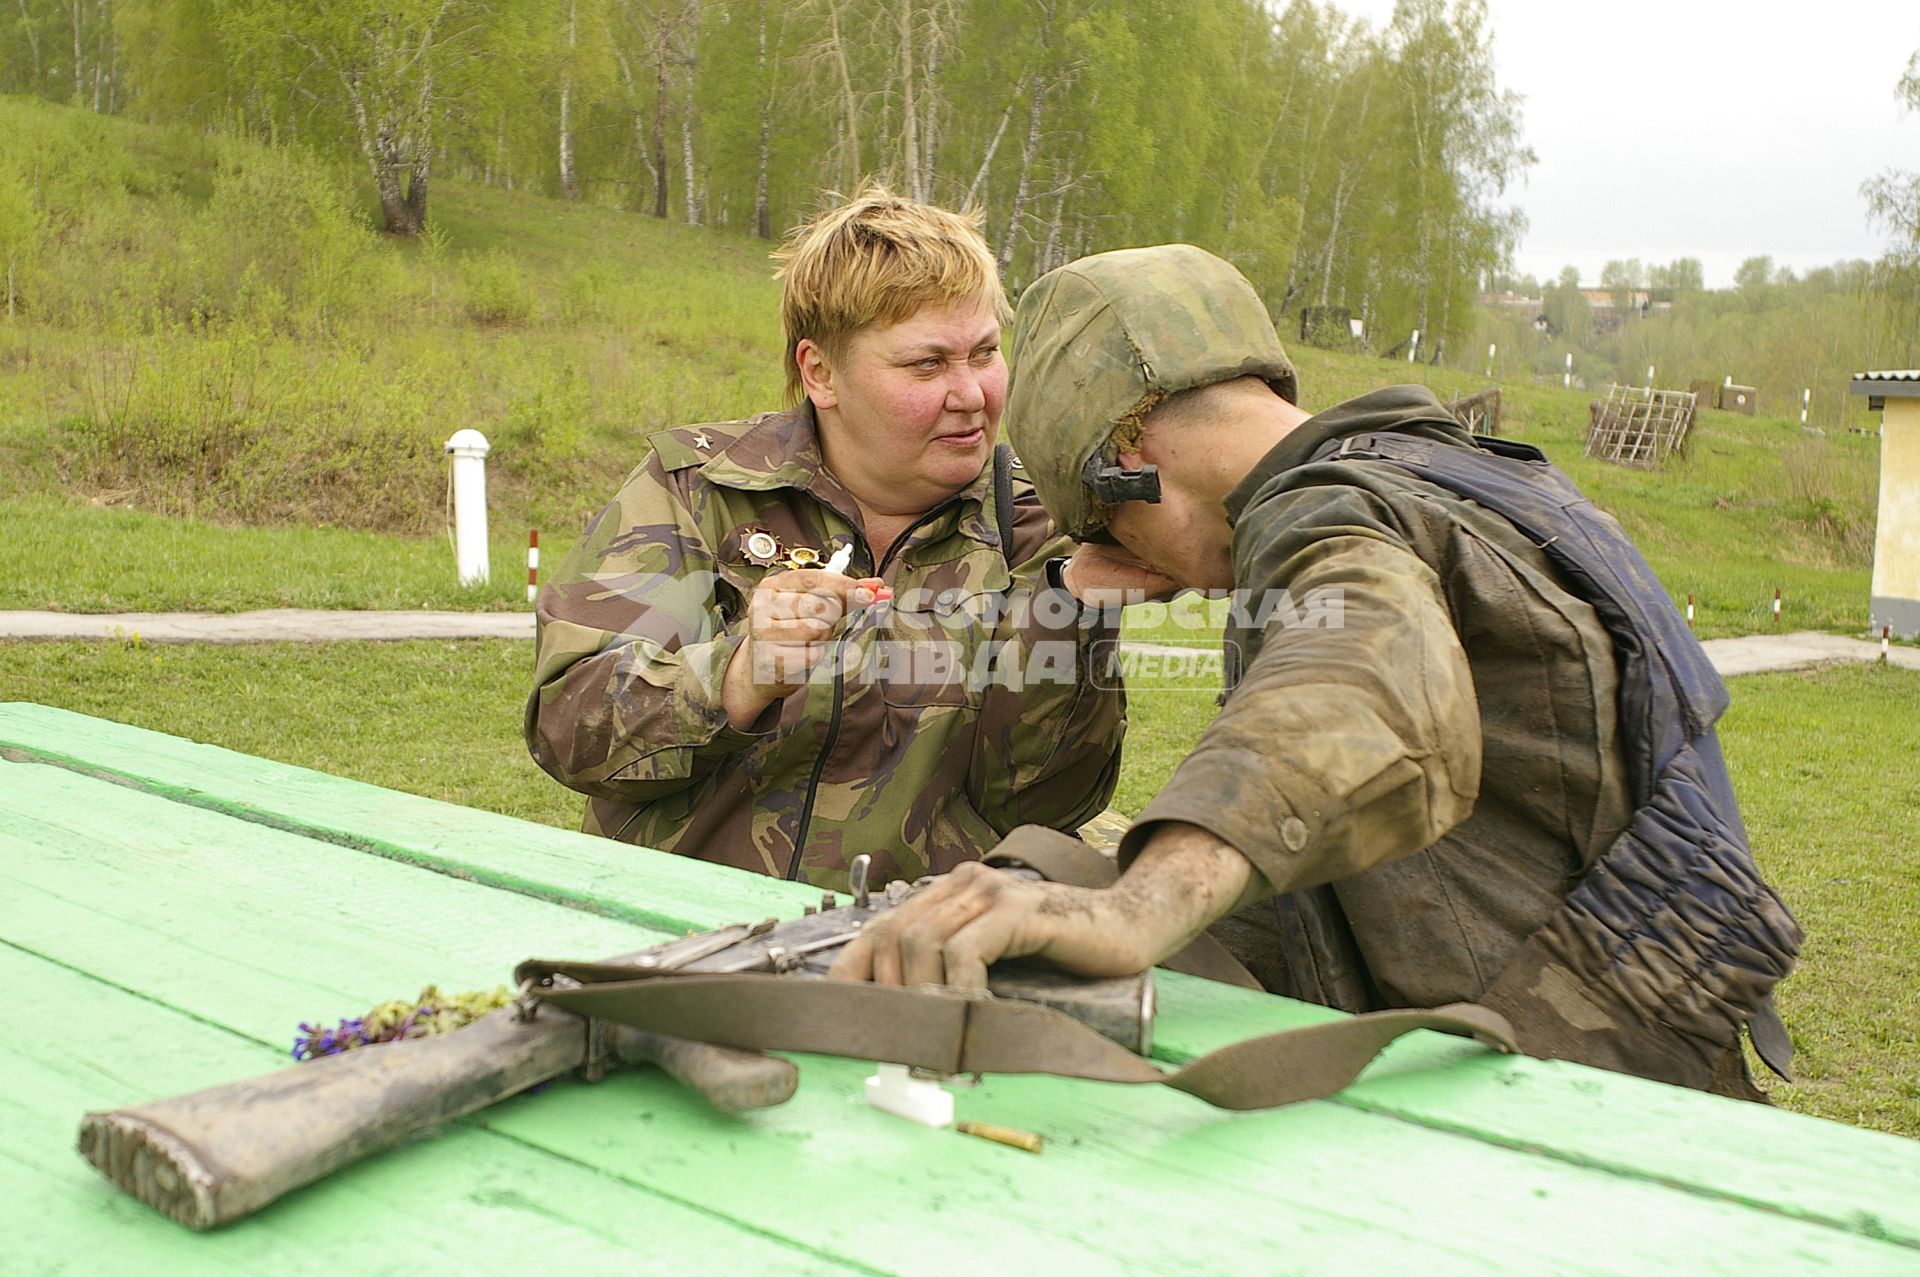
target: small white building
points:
(1896, 543)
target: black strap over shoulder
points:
(1003, 499)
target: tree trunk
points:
(417, 193)
(909, 108)
(28, 25)
(686, 146)
(1021, 187)
(849, 101)
(79, 57)
(101, 54)
(1049, 253)
(659, 160)
(929, 113)
(569, 185)
(993, 145)
(393, 203)
(1333, 233)
(569, 189)
(762, 211)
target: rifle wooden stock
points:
(213, 1156)
(216, 1155)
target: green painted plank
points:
(1781, 1162)
(455, 1202)
(1132, 1180)
(670, 892)
(199, 909)
(1153, 1182)
(1864, 1181)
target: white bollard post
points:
(1806, 400)
(1413, 346)
(1567, 383)
(469, 449)
(1492, 350)
(1649, 376)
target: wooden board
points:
(175, 945)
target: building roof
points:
(1886, 384)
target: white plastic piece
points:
(469, 449)
(841, 559)
(892, 1089)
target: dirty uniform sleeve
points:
(1052, 747)
(1353, 737)
(635, 633)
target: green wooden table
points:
(169, 911)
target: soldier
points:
(1467, 752)
(717, 689)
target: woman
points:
(718, 689)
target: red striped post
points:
(533, 563)
(1886, 636)
(1776, 607)
(1689, 613)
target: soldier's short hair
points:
(874, 260)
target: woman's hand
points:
(790, 620)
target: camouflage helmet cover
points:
(1099, 341)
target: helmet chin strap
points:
(1112, 485)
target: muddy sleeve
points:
(1353, 737)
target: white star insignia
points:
(701, 441)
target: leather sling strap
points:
(947, 1031)
(1003, 499)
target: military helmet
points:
(1098, 342)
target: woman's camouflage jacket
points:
(943, 719)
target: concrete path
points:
(1751, 654)
(278, 625)
(1763, 653)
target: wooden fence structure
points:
(1478, 412)
(1639, 427)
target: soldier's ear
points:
(816, 373)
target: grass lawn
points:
(66, 556)
(1823, 761)
(1755, 507)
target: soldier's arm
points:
(1050, 751)
(953, 930)
(1354, 737)
(636, 631)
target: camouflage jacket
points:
(1420, 761)
(942, 720)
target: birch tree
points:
(378, 66)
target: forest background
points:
(1338, 164)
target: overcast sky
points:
(1690, 128)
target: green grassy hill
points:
(221, 389)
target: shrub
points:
(497, 289)
(1835, 501)
(279, 241)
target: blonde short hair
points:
(876, 259)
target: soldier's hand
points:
(953, 929)
(1107, 576)
(790, 622)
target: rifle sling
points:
(950, 1032)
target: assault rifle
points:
(703, 1008)
(216, 1155)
